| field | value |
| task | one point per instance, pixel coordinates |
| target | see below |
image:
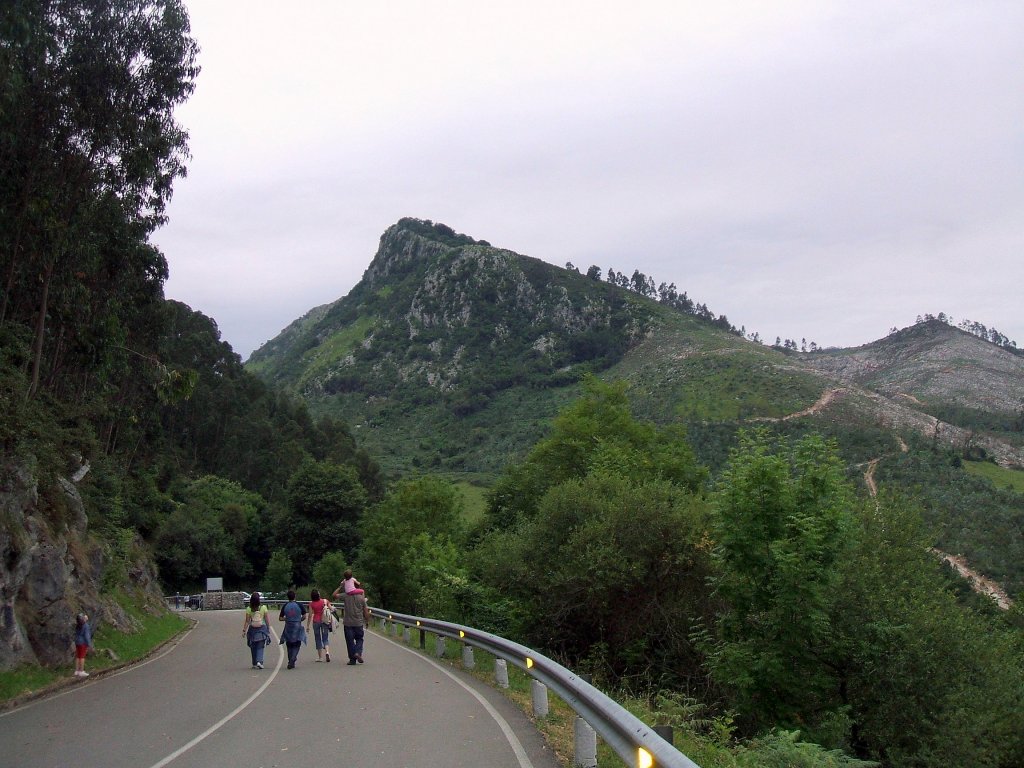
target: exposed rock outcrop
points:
(50, 569)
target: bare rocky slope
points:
(896, 381)
(931, 362)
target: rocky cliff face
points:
(50, 569)
(444, 312)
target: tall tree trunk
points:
(37, 344)
(8, 284)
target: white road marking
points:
(227, 718)
(513, 740)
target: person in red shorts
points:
(83, 642)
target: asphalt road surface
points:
(198, 704)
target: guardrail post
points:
(501, 673)
(439, 646)
(585, 744)
(467, 656)
(392, 628)
(540, 698)
(665, 731)
(423, 638)
(407, 635)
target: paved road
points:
(199, 704)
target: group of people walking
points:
(320, 618)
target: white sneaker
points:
(81, 673)
(259, 665)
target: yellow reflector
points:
(390, 617)
(643, 758)
(461, 633)
(529, 662)
(417, 623)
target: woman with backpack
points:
(320, 614)
(255, 629)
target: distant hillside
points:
(452, 356)
(932, 364)
(939, 381)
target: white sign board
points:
(215, 584)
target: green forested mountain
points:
(425, 352)
(451, 355)
(446, 335)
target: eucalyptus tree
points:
(91, 150)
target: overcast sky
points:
(819, 170)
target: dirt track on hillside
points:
(822, 403)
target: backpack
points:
(327, 617)
(257, 618)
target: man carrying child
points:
(357, 614)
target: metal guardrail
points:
(634, 741)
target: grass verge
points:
(112, 649)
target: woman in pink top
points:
(321, 628)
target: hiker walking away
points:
(255, 629)
(294, 635)
(320, 617)
(357, 614)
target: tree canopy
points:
(597, 433)
(91, 149)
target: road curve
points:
(199, 704)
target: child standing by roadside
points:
(83, 641)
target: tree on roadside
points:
(597, 431)
(325, 501)
(926, 681)
(329, 571)
(409, 539)
(278, 577)
(613, 572)
(783, 522)
(214, 530)
(837, 620)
